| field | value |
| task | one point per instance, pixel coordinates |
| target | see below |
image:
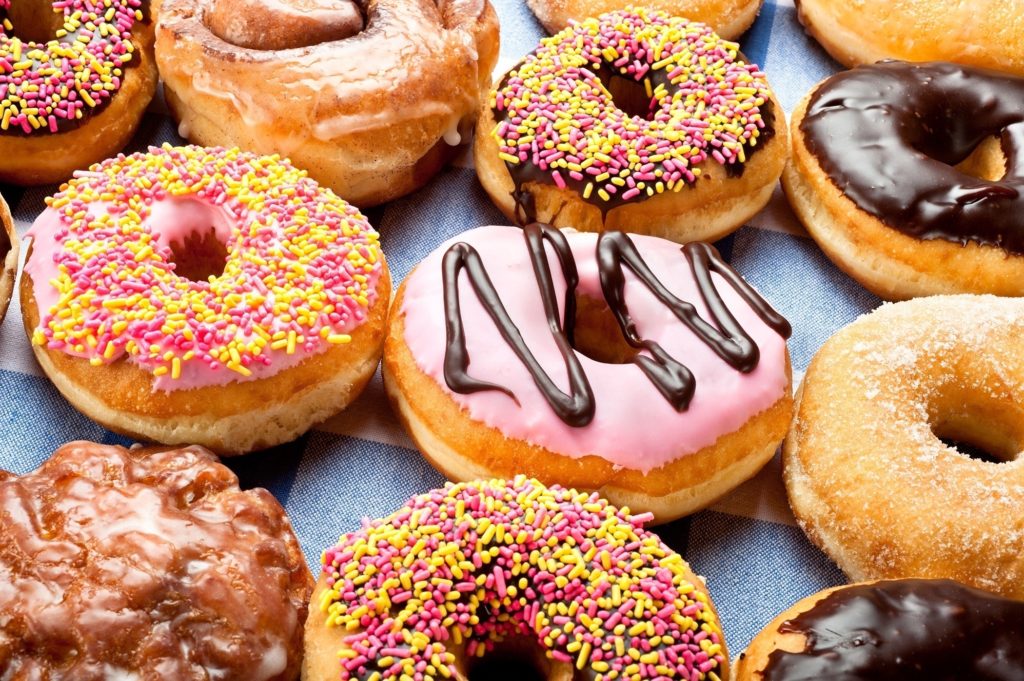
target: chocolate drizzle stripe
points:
(575, 408)
(907, 630)
(889, 134)
(615, 251)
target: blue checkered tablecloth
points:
(360, 463)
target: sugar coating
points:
(867, 474)
(466, 566)
(45, 85)
(301, 271)
(560, 117)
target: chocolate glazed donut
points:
(913, 629)
(371, 97)
(931, 156)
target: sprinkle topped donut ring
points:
(76, 98)
(371, 97)
(206, 295)
(480, 571)
(637, 121)
(911, 177)
(650, 373)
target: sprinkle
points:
(44, 86)
(475, 563)
(303, 266)
(556, 114)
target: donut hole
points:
(196, 234)
(598, 335)
(630, 96)
(982, 430)
(987, 161)
(514, 659)
(34, 21)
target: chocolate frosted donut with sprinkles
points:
(650, 373)
(203, 295)
(511, 577)
(76, 97)
(635, 121)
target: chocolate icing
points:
(525, 210)
(888, 134)
(575, 408)
(615, 251)
(931, 630)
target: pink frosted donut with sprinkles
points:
(77, 97)
(207, 296)
(515, 578)
(636, 121)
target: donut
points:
(8, 257)
(912, 630)
(904, 455)
(633, 121)
(372, 98)
(77, 96)
(911, 177)
(729, 18)
(147, 564)
(204, 295)
(985, 33)
(510, 579)
(648, 372)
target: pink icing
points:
(301, 270)
(634, 427)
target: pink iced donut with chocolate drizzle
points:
(207, 296)
(77, 95)
(627, 365)
(512, 580)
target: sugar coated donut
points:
(8, 257)
(205, 295)
(986, 33)
(147, 564)
(911, 177)
(650, 373)
(515, 577)
(910, 630)
(635, 121)
(371, 97)
(76, 97)
(876, 463)
(728, 18)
